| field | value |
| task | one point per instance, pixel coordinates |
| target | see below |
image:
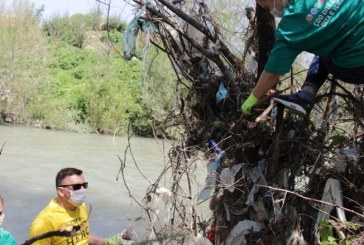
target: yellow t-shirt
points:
(54, 217)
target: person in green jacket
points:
(332, 30)
(5, 236)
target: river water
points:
(32, 157)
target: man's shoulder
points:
(46, 219)
(53, 212)
(52, 206)
(48, 211)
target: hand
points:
(113, 240)
(248, 104)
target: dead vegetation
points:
(295, 180)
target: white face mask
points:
(78, 197)
(2, 219)
(275, 12)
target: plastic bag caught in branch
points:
(131, 32)
(211, 176)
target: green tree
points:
(22, 59)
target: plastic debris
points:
(227, 176)
(332, 194)
(211, 172)
(214, 146)
(237, 234)
(131, 31)
(221, 93)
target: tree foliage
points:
(66, 73)
(22, 59)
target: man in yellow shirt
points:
(65, 220)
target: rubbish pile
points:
(281, 179)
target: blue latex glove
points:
(248, 104)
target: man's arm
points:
(37, 229)
(265, 82)
(95, 240)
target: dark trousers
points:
(321, 66)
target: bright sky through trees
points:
(53, 7)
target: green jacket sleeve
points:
(281, 58)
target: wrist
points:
(253, 99)
(250, 102)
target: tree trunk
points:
(265, 32)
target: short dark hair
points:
(64, 172)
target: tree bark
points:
(265, 32)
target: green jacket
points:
(6, 238)
(321, 27)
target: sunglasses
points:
(76, 187)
